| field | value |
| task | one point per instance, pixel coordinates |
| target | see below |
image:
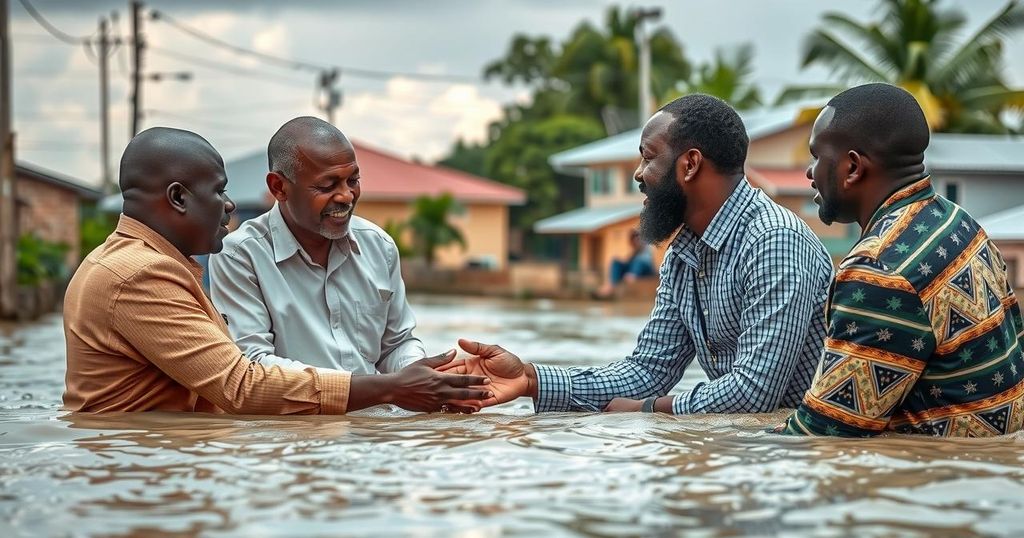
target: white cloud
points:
(418, 118)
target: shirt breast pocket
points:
(373, 320)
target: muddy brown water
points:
(504, 472)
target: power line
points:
(201, 35)
(289, 63)
(50, 28)
(227, 68)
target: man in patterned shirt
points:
(923, 330)
(742, 287)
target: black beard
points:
(663, 214)
(828, 211)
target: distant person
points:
(742, 287)
(309, 283)
(924, 332)
(142, 336)
(639, 264)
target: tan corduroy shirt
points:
(143, 336)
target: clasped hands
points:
(507, 375)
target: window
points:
(600, 181)
(632, 186)
(953, 191)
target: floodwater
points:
(502, 472)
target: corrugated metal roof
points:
(625, 146)
(946, 152)
(1007, 224)
(975, 153)
(57, 179)
(586, 219)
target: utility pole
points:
(644, 42)
(138, 45)
(330, 97)
(104, 57)
(8, 181)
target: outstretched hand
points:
(510, 378)
(424, 386)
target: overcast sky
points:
(56, 88)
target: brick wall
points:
(51, 213)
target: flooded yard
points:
(506, 471)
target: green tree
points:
(594, 73)
(430, 227)
(727, 77)
(519, 157)
(915, 44)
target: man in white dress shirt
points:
(308, 282)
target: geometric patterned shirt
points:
(745, 300)
(924, 332)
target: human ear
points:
(275, 183)
(688, 164)
(176, 196)
(856, 167)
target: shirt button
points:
(700, 274)
(705, 312)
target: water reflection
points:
(506, 472)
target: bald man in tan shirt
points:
(143, 336)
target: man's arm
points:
(398, 346)
(235, 291)
(879, 337)
(664, 349)
(781, 289)
(155, 312)
(157, 315)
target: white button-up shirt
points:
(284, 309)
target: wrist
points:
(531, 381)
(664, 405)
(388, 387)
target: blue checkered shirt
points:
(746, 300)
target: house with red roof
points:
(389, 186)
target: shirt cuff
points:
(554, 389)
(334, 388)
(682, 404)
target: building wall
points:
(982, 195)
(610, 185)
(1013, 255)
(598, 249)
(50, 212)
(786, 149)
(484, 226)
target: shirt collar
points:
(285, 244)
(724, 222)
(130, 227)
(914, 192)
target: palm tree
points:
(430, 226)
(914, 45)
(594, 72)
(726, 77)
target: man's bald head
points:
(160, 156)
(174, 182)
(294, 140)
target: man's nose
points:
(343, 195)
(229, 205)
